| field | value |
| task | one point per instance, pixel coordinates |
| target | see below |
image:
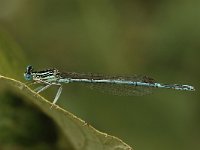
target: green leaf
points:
(80, 134)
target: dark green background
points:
(155, 38)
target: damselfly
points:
(120, 85)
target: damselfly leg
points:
(57, 96)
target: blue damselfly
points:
(120, 85)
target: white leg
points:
(39, 88)
(57, 95)
(44, 88)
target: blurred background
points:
(155, 38)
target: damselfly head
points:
(28, 74)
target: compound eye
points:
(28, 76)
